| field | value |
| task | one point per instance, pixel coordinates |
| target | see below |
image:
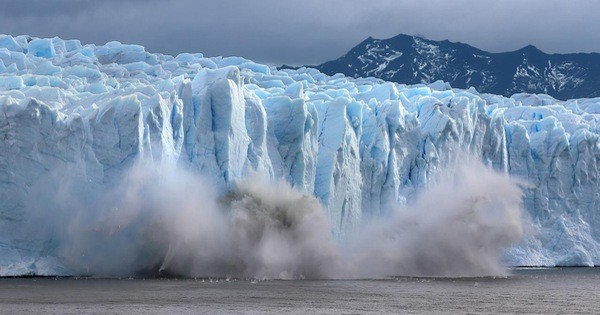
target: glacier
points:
(357, 144)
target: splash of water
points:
(265, 231)
(173, 222)
(457, 227)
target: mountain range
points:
(412, 59)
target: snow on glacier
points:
(355, 143)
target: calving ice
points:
(79, 122)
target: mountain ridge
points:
(412, 59)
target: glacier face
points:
(356, 144)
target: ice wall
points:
(356, 144)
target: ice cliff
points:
(355, 144)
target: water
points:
(542, 291)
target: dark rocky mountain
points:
(410, 59)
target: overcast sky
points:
(306, 31)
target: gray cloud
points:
(308, 31)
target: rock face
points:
(410, 60)
(356, 144)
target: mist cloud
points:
(168, 221)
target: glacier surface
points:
(355, 144)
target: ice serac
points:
(357, 144)
(221, 140)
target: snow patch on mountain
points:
(419, 60)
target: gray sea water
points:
(539, 291)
